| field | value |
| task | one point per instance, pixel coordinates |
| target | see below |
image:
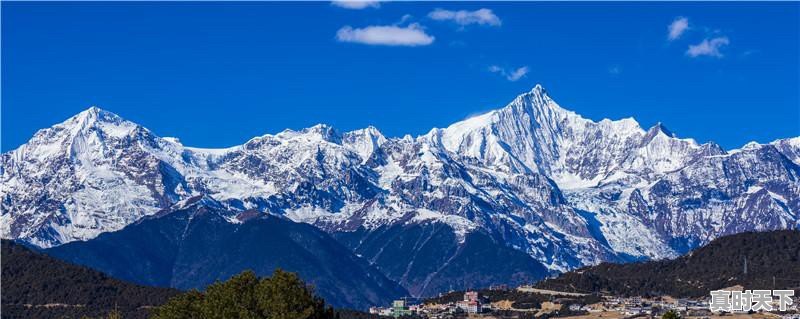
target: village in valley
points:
(530, 302)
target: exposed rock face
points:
(532, 177)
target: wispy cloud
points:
(709, 47)
(403, 19)
(614, 70)
(677, 28)
(749, 53)
(511, 75)
(356, 4)
(517, 74)
(463, 17)
(391, 35)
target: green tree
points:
(672, 314)
(235, 298)
(282, 296)
(285, 296)
(186, 305)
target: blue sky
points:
(217, 74)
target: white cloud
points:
(356, 4)
(511, 75)
(463, 17)
(412, 35)
(677, 28)
(709, 47)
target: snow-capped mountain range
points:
(538, 178)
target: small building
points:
(634, 301)
(469, 306)
(593, 309)
(399, 308)
(381, 311)
(633, 311)
(471, 302)
(630, 311)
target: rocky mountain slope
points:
(198, 242)
(428, 258)
(532, 177)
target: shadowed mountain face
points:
(772, 262)
(55, 289)
(199, 243)
(436, 261)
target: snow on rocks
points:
(567, 190)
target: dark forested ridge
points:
(35, 285)
(38, 286)
(772, 258)
(194, 246)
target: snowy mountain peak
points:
(324, 131)
(660, 128)
(92, 112)
(536, 96)
(538, 89)
(751, 145)
(96, 119)
(369, 132)
(318, 132)
(89, 129)
(364, 141)
(790, 147)
(94, 115)
(537, 105)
